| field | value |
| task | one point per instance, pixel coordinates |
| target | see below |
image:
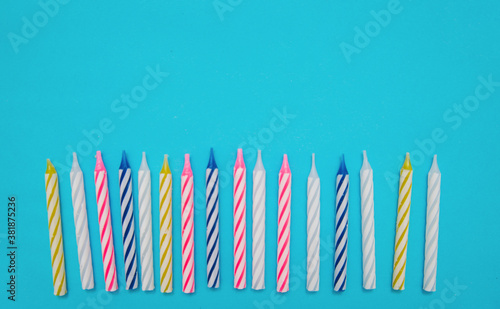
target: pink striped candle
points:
(239, 222)
(107, 248)
(187, 227)
(284, 201)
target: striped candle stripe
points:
(166, 228)
(128, 226)
(212, 182)
(313, 228)
(81, 225)
(239, 222)
(403, 222)
(367, 224)
(259, 225)
(105, 228)
(55, 230)
(341, 228)
(187, 194)
(432, 226)
(284, 202)
(145, 226)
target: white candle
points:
(146, 237)
(81, 225)
(313, 223)
(367, 224)
(432, 226)
(259, 225)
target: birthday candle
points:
(403, 221)
(105, 229)
(341, 228)
(81, 225)
(259, 224)
(166, 227)
(239, 221)
(432, 226)
(367, 224)
(313, 212)
(146, 231)
(284, 201)
(128, 226)
(187, 227)
(55, 230)
(212, 182)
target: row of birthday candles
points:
(239, 226)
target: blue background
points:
(228, 75)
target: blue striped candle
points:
(341, 226)
(212, 222)
(128, 231)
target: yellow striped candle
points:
(166, 227)
(403, 221)
(55, 230)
